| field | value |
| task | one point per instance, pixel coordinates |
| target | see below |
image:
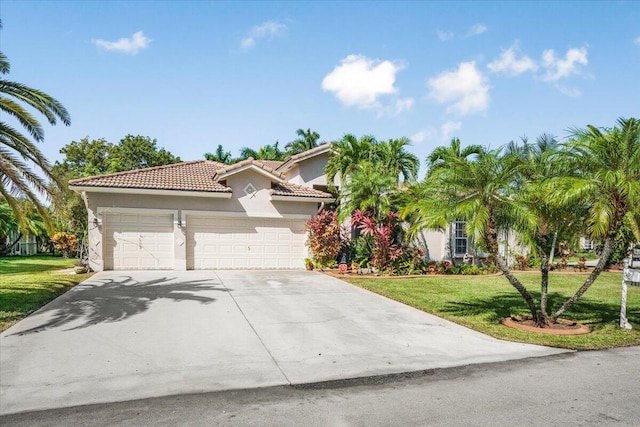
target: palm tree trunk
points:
(553, 247)
(492, 243)
(604, 257)
(543, 318)
(513, 280)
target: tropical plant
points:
(66, 243)
(480, 192)
(266, 152)
(306, 140)
(386, 246)
(325, 237)
(392, 157)
(220, 156)
(369, 189)
(347, 154)
(607, 162)
(18, 180)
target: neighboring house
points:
(454, 244)
(205, 215)
(27, 245)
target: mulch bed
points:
(562, 327)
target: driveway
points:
(129, 335)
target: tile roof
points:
(294, 190)
(196, 175)
(304, 155)
(273, 164)
(250, 161)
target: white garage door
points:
(227, 243)
(138, 241)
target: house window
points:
(460, 238)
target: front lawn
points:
(479, 302)
(28, 283)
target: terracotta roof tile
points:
(197, 175)
(250, 161)
(294, 190)
(305, 154)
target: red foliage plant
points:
(386, 250)
(325, 236)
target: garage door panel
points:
(138, 241)
(219, 243)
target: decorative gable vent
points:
(250, 190)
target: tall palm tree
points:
(17, 179)
(608, 180)
(220, 156)
(394, 158)
(478, 191)
(347, 153)
(306, 140)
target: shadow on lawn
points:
(112, 300)
(504, 305)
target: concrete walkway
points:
(129, 335)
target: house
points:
(27, 244)
(205, 215)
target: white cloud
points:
(558, 68)
(420, 136)
(637, 41)
(132, 45)
(445, 35)
(396, 108)
(359, 81)
(509, 64)
(267, 30)
(448, 128)
(466, 89)
(476, 30)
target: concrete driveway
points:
(129, 335)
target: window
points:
(460, 238)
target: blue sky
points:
(197, 74)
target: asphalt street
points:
(573, 389)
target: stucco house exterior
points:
(205, 215)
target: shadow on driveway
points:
(116, 299)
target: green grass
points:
(28, 283)
(479, 302)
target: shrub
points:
(385, 247)
(325, 237)
(66, 243)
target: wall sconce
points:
(179, 223)
(97, 221)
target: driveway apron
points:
(130, 335)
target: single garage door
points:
(138, 241)
(252, 243)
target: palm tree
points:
(18, 181)
(443, 155)
(220, 156)
(347, 153)
(608, 181)
(394, 158)
(307, 139)
(478, 191)
(369, 189)
(266, 152)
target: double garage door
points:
(230, 242)
(146, 241)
